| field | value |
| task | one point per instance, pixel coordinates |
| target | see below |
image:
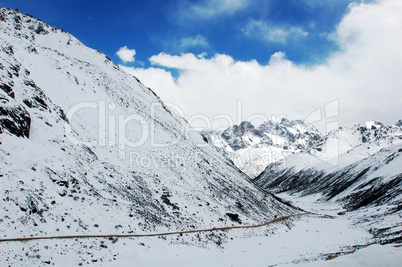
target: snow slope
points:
(367, 182)
(86, 148)
(372, 256)
(309, 239)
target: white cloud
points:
(212, 8)
(270, 33)
(125, 54)
(202, 55)
(365, 75)
(154, 78)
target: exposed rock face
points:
(14, 118)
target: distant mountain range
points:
(252, 148)
(358, 167)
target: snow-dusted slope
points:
(86, 148)
(252, 149)
(367, 181)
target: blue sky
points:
(229, 27)
(267, 58)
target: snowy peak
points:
(36, 31)
(284, 132)
(374, 125)
(244, 135)
(253, 148)
(243, 128)
(399, 123)
(372, 132)
(296, 132)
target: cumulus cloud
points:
(364, 75)
(154, 78)
(125, 54)
(270, 33)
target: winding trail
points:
(22, 239)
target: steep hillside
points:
(86, 148)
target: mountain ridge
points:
(87, 148)
(253, 149)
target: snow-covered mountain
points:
(86, 148)
(366, 181)
(252, 148)
(359, 167)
